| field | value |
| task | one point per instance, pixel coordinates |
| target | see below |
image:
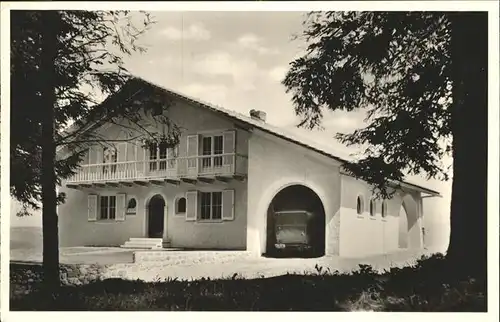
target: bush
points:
(428, 286)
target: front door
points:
(156, 217)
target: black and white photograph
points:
(181, 157)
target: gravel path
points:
(267, 267)
(77, 255)
(244, 268)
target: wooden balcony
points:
(205, 169)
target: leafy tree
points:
(61, 61)
(421, 77)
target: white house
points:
(221, 187)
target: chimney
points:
(258, 115)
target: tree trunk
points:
(467, 252)
(48, 177)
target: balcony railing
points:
(173, 168)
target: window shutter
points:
(92, 208)
(191, 205)
(121, 206)
(192, 150)
(130, 151)
(229, 138)
(86, 157)
(92, 155)
(228, 205)
(99, 154)
(139, 151)
(122, 152)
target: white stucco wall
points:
(365, 235)
(76, 230)
(274, 164)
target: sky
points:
(237, 60)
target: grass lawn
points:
(426, 287)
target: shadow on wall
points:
(403, 228)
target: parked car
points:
(292, 231)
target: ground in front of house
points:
(260, 283)
(121, 263)
(428, 287)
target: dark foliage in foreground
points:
(425, 96)
(428, 286)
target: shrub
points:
(428, 286)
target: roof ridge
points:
(236, 113)
(272, 129)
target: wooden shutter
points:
(139, 151)
(99, 154)
(191, 205)
(229, 138)
(122, 152)
(92, 155)
(131, 151)
(92, 208)
(121, 206)
(228, 205)
(86, 157)
(192, 150)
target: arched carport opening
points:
(295, 224)
(409, 229)
(156, 216)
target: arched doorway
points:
(295, 224)
(156, 216)
(409, 226)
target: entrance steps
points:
(144, 243)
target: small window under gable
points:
(157, 110)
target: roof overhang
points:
(428, 192)
(136, 84)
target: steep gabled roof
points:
(265, 127)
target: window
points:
(372, 207)
(160, 156)
(359, 205)
(108, 207)
(212, 146)
(218, 149)
(384, 209)
(109, 155)
(211, 205)
(153, 156)
(131, 206)
(157, 110)
(180, 206)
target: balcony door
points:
(161, 158)
(212, 148)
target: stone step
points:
(152, 243)
(143, 243)
(129, 245)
